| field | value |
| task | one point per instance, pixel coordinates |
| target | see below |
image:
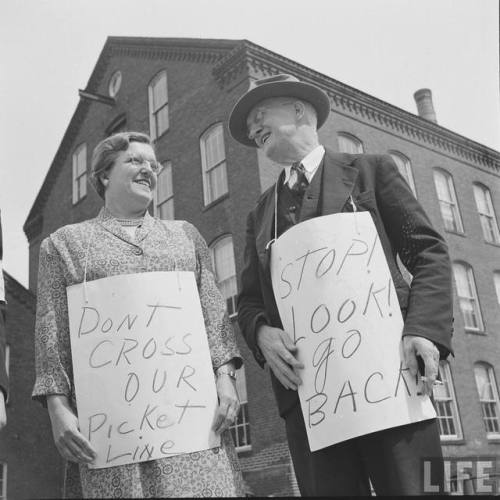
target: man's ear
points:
(300, 109)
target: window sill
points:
(451, 441)
(493, 438)
(456, 233)
(472, 331)
(492, 243)
(215, 202)
(74, 204)
(243, 449)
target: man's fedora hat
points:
(275, 86)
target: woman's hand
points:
(70, 442)
(3, 413)
(229, 404)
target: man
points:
(280, 115)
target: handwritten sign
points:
(336, 299)
(144, 383)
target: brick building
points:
(26, 444)
(181, 92)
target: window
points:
(446, 406)
(241, 427)
(486, 213)
(448, 201)
(80, 173)
(164, 196)
(213, 162)
(349, 143)
(158, 105)
(496, 279)
(225, 271)
(467, 296)
(3, 481)
(404, 167)
(7, 365)
(488, 397)
(115, 83)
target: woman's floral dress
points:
(108, 250)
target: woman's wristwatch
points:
(224, 370)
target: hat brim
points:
(299, 90)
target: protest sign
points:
(337, 301)
(143, 375)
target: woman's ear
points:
(104, 179)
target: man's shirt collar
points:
(311, 163)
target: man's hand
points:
(413, 346)
(3, 413)
(229, 404)
(70, 442)
(279, 350)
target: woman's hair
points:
(106, 152)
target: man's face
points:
(272, 124)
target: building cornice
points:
(251, 58)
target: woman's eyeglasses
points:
(138, 161)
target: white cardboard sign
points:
(143, 375)
(337, 301)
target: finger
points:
(287, 341)
(67, 452)
(411, 360)
(290, 359)
(218, 420)
(84, 445)
(285, 375)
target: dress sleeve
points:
(220, 333)
(52, 341)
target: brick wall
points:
(34, 469)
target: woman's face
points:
(131, 182)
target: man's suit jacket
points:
(4, 381)
(404, 229)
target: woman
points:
(125, 239)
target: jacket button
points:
(138, 251)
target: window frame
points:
(3, 480)
(496, 284)
(490, 217)
(77, 176)
(243, 413)
(455, 208)
(167, 168)
(471, 281)
(406, 165)
(447, 379)
(208, 188)
(153, 110)
(213, 246)
(496, 400)
(360, 149)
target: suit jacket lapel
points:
(266, 216)
(338, 181)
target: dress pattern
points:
(100, 248)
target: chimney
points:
(425, 108)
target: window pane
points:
(225, 271)
(488, 396)
(79, 161)
(160, 92)
(404, 168)
(467, 296)
(349, 144)
(446, 407)
(213, 157)
(162, 122)
(496, 278)
(166, 210)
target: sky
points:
(386, 48)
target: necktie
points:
(298, 181)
